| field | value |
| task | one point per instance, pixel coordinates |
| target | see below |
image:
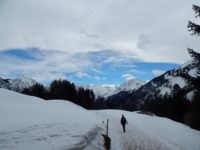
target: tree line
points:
(65, 90)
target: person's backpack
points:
(123, 120)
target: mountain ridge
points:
(107, 90)
(163, 85)
(17, 84)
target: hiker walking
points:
(123, 122)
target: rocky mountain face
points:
(17, 84)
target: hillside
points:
(31, 123)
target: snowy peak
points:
(130, 85)
(107, 90)
(17, 84)
(104, 90)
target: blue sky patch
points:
(102, 67)
(27, 54)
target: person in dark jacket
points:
(123, 122)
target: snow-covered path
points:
(133, 139)
(147, 133)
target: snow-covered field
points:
(31, 123)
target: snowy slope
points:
(17, 84)
(32, 123)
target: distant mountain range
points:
(132, 93)
(107, 90)
(18, 84)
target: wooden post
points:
(107, 127)
(107, 140)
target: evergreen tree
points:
(100, 103)
(63, 89)
(192, 118)
(193, 27)
(36, 90)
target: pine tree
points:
(193, 116)
(193, 27)
(36, 90)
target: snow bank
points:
(31, 123)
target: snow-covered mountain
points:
(168, 82)
(104, 90)
(17, 84)
(130, 85)
(107, 90)
(160, 86)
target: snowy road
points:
(133, 139)
(148, 135)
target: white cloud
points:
(158, 72)
(128, 76)
(50, 65)
(97, 78)
(89, 25)
(144, 42)
(82, 75)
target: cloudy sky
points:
(94, 41)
